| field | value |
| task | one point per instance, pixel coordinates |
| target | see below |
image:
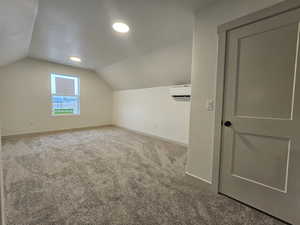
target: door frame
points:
(223, 30)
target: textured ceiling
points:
(16, 24)
(156, 51)
(165, 66)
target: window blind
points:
(64, 85)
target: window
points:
(65, 95)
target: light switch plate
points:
(210, 105)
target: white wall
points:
(25, 98)
(204, 69)
(152, 111)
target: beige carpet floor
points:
(109, 176)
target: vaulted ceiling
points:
(157, 50)
(16, 25)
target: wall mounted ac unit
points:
(181, 92)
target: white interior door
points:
(260, 160)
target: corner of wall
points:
(2, 211)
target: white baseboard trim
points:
(154, 136)
(55, 131)
(199, 178)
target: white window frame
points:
(53, 92)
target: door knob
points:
(227, 124)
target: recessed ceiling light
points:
(75, 59)
(120, 27)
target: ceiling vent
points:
(181, 92)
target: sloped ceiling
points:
(156, 51)
(17, 19)
(165, 66)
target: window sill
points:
(63, 115)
